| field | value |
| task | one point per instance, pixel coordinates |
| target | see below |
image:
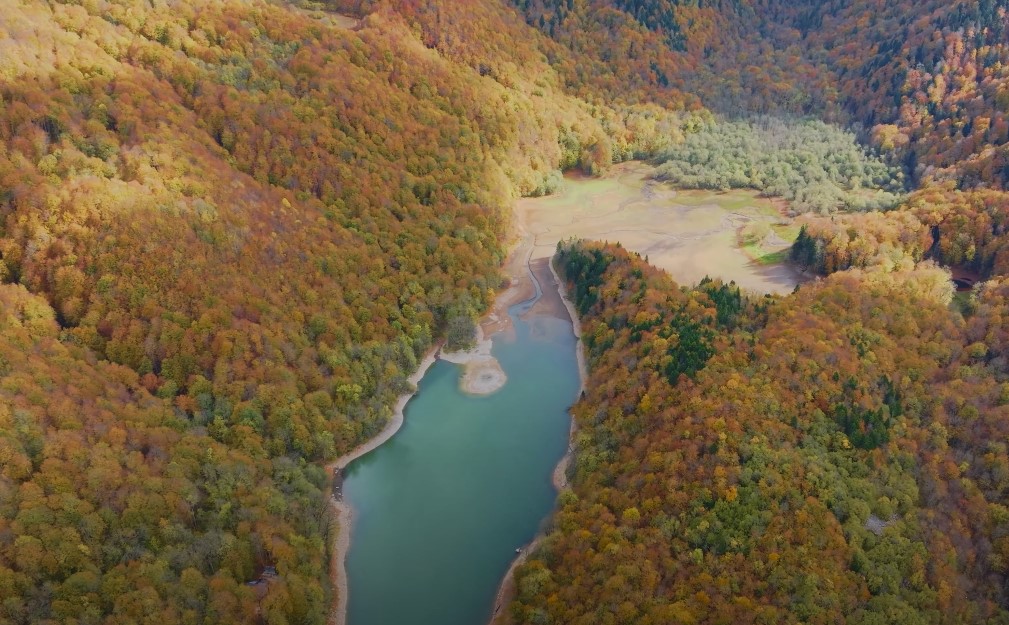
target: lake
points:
(440, 509)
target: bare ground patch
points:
(690, 234)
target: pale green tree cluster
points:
(818, 167)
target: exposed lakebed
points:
(440, 509)
(690, 234)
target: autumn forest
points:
(231, 229)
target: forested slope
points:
(923, 84)
(728, 53)
(926, 79)
(930, 77)
(931, 82)
(833, 456)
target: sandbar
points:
(482, 373)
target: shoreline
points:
(560, 477)
(506, 590)
(494, 321)
(343, 513)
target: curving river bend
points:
(440, 509)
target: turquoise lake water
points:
(441, 507)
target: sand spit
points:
(482, 374)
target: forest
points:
(834, 456)
(229, 231)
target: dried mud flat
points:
(690, 234)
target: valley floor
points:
(690, 234)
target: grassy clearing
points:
(962, 303)
(789, 232)
(769, 258)
(738, 200)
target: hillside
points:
(926, 79)
(833, 456)
(924, 85)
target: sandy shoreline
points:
(343, 513)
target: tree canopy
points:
(817, 167)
